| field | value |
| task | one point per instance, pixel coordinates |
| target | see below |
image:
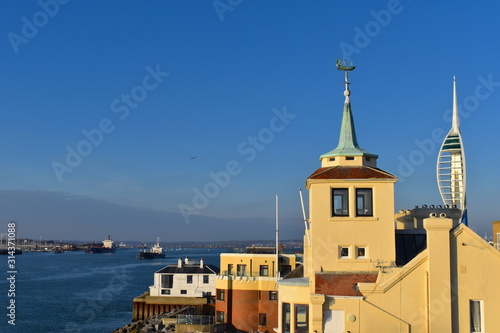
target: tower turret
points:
(348, 151)
(351, 205)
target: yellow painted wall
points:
(429, 294)
(252, 280)
(328, 233)
(477, 276)
(496, 231)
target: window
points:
(273, 295)
(332, 158)
(165, 291)
(264, 270)
(364, 200)
(286, 317)
(262, 319)
(361, 252)
(184, 292)
(189, 279)
(349, 158)
(220, 294)
(220, 316)
(241, 270)
(167, 281)
(301, 318)
(285, 269)
(206, 279)
(229, 269)
(340, 204)
(476, 316)
(344, 252)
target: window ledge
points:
(352, 219)
(353, 261)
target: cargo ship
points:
(107, 246)
(156, 252)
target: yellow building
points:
(368, 270)
(246, 293)
(496, 234)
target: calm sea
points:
(78, 292)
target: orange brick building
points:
(246, 295)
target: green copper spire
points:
(348, 144)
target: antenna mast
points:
(306, 222)
(277, 242)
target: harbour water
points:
(75, 292)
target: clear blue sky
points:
(250, 88)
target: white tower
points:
(451, 164)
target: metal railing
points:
(195, 320)
(250, 274)
(243, 274)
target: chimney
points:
(201, 263)
(179, 263)
(186, 260)
(439, 267)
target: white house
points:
(186, 279)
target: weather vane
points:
(342, 66)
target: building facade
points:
(368, 270)
(246, 295)
(185, 279)
(185, 285)
(496, 234)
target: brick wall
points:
(341, 284)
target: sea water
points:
(76, 292)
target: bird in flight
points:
(192, 158)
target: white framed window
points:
(241, 270)
(476, 309)
(361, 252)
(264, 270)
(344, 252)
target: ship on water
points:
(156, 252)
(107, 246)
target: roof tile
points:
(350, 172)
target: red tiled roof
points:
(342, 284)
(350, 172)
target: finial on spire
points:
(342, 66)
(455, 123)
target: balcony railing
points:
(250, 274)
(195, 320)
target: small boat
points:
(58, 250)
(107, 246)
(10, 253)
(156, 252)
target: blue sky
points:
(249, 88)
